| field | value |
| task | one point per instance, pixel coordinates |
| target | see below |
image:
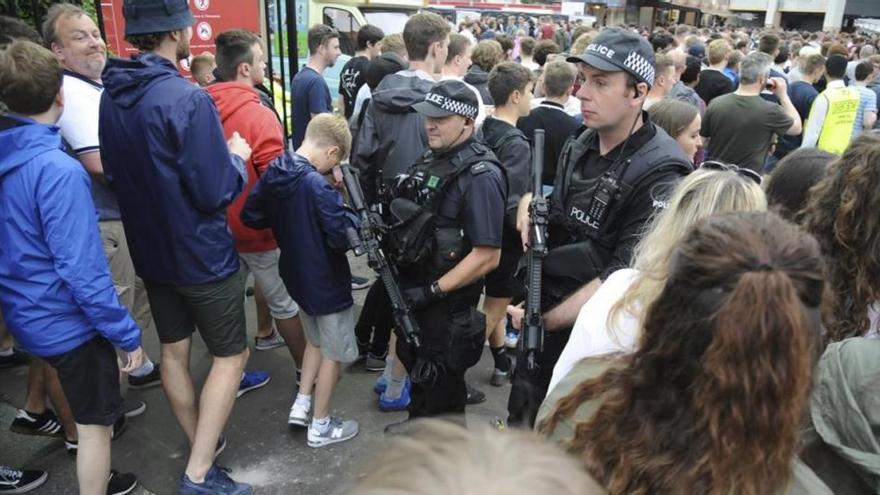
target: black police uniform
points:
(584, 245)
(465, 189)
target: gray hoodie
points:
(392, 136)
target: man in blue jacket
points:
(166, 156)
(56, 292)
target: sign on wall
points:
(212, 18)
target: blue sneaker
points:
(217, 482)
(381, 385)
(398, 404)
(252, 380)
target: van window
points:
(345, 23)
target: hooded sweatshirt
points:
(242, 111)
(55, 287)
(392, 136)
(165, 154)
(479, 79)
(308, 219)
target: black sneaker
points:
(15, 481)
(119, 426)
(152, 379)
(121, 483)
(28, 423)
(474, 396)
(358, 283)
(17, 358)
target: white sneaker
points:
(511, 339)
(338, 431)
(299, 415)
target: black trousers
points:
(447, 393)
(373, 329)
(529, 390)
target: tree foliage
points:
(34, 11)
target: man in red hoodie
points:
(240, 67)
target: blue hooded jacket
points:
(310, 223)
(165, 155)
(55, 287)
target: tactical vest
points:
(660, 153)
(838, 126)
(423, 242)
(586, 244)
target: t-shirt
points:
(801, 94)
(547, 32)
(79, 127)
(713, 84)
(867, 103)
(350, 81)
(310, 95)
(478, 200)
(741, 129)
(558, 127)
(591, 336)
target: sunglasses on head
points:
(729, 167)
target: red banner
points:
(212, 18)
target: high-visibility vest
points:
(837, 129)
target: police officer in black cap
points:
(610, 180)
(448, 214)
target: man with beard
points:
(165, 154)
(311, 95)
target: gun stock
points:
(368, 234)
(533, 320)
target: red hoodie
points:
(241, 111)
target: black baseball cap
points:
(616, 50)
(450, 97)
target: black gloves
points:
(422, 296)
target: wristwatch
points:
(436, 291)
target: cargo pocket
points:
(467, 333)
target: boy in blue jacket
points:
(310, 223)
(56, 292)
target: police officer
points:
(448, 214)
(609, 182)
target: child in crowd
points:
(309, 221)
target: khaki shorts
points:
(264, 266)
(333, 334)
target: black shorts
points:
(216, 309)
(502, 281)
(89, 376)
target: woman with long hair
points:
(681, 121)
(609, 321)
(842, 443)
(842, 213)
(712, 400)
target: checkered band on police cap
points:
(642, 68)
(617, 49)
(455, 106)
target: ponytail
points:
(754, 382)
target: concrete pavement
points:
(261, 449)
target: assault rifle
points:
(533, 321)
(366, 240)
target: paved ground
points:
(261, 449)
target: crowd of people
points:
(708, 301)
